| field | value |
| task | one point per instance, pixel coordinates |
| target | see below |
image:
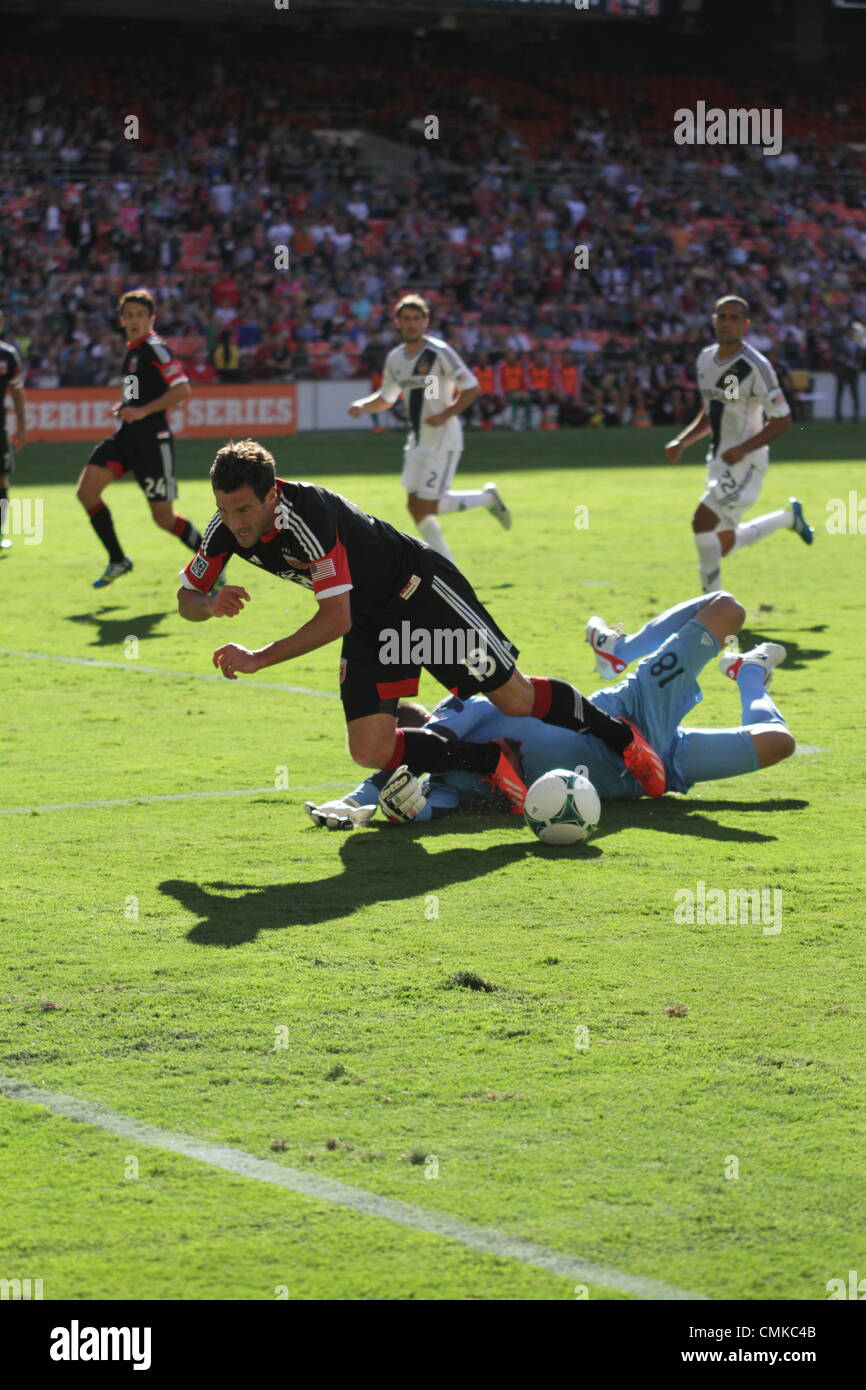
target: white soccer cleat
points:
(602, 639)
(497, 507)
(767, 655)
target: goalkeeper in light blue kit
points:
(671, 650)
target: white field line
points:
(172, 796)
(132, 665)
(241, 1164)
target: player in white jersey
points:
(743, 411)
(437, 387)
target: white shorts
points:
(731, 491)
(428, 472)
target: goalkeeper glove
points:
(401, 798)
(340, 815)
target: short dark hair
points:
(139, 296)
(243, 463)
(411, 715)
(734, 299)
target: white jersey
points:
(430, 380)
(738, 395)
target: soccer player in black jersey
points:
(12, 379)
(372, 583)
(154, 382)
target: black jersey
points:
(325, 543)
(150, 362)
(11, 373)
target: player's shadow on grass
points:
(387, 868)
(113, 632)
(682, 817)
(798, 656)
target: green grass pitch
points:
(218, 967)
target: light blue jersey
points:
(656, 696)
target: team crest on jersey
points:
(425, 362)
(132, 364)
(290, 560)
(198, 567)
(408, 589)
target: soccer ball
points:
(562, 807)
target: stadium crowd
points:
(486, 219)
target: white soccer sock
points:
(461, 501)
(709, 559)
(432, 533)
(752, 531)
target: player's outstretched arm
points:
(333, 620)
(696, 430)
(197, 608)
(369, 405)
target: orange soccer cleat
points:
(644, 763)
(507, 776)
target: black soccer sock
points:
(557, 702)
(100, 520)
(422, 750)
(186, 532)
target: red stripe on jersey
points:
(331, 569)
(171, 372)
(203, 571)
(395, 690)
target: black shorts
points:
(148, 455)
(436, 624)
(7, 457)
